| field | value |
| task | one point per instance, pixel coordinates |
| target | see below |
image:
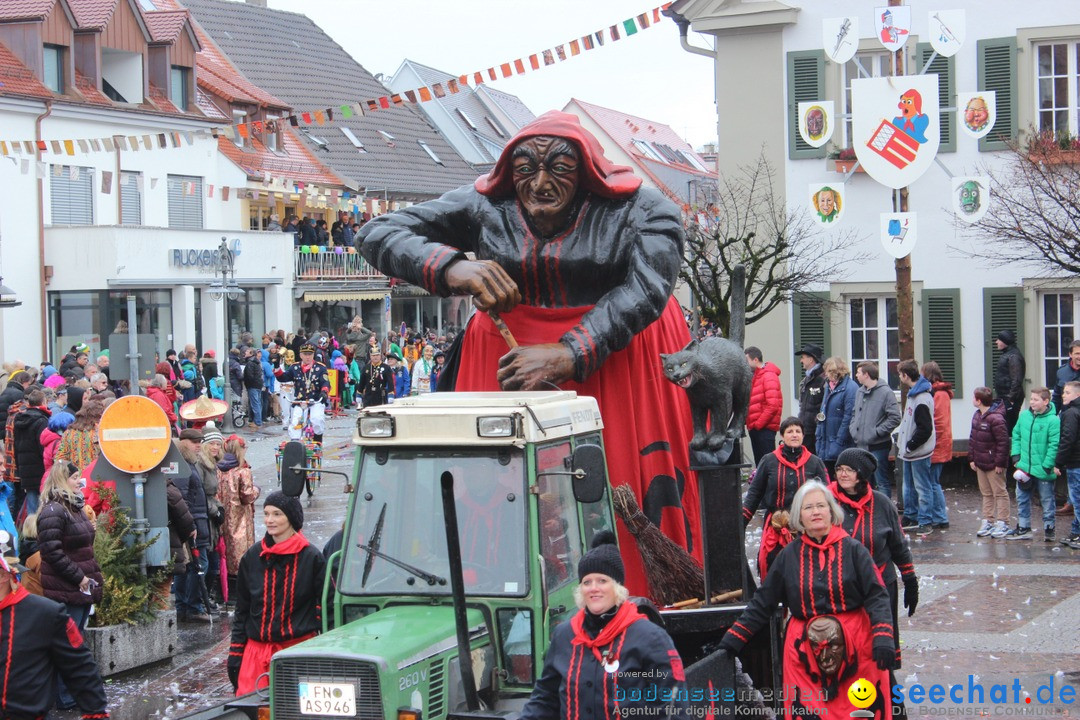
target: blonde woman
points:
(834, 420)
(237, 494)
(69, 573)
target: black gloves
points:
(885, 658)
(234, 671)
(911, 594)
(729, 645)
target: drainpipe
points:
(41, 232)
(684, 29)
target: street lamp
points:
(226, 290)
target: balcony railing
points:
(319, 264)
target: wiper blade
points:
(431, 578)
(373, 542)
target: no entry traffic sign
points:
(134, 434)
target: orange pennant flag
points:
(69, 147)
(396, 99)
(478, 78)
(242, 128)
(452, 86)
(384, 102)
(307, 117)
(519, 66)
(506, 71)
(534, 61)
(491, 73)
(656, 15)
(463, 79)
(425, 94)
(320, 118)
(575, 48)
(372, 105)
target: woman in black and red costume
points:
(871, 518)
(824, 573)
(278, 591)
(608, 661)
(579, 261)
(778, 476)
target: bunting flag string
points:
(519, 66)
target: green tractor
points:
(422, 622)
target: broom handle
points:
(684, 603)
(500, 325)
(724, 597)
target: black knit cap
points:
(861, 461)
(289, 505)
(603, 558)
(1007, 336)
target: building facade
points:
(1032, 62)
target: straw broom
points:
(673, 575)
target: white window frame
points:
(466, 118)
(184, 74)
(239, 117)
(61, 192)
(495, 126)
(129, 191)
(880, 327)
(876, 62)
(272, 140)
(430, 152)
(182, 213)
(1051, 357)
(348, 133)
(1071, 80)
(648, 151)
(56, 51)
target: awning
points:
(313, 295)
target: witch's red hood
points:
(598, 174)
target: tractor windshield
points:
(397, 541)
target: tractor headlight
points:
(495, 426)
(376, 426)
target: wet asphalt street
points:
(990, 612)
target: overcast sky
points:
(647, 74)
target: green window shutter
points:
(811, 311)
(945, 69)
(805, 83)
(941, 334)
(1003, 309)
(997, 72)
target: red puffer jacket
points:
(766, 399)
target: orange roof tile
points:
(92, 14)
(17, 79)
(165, 26)
(294, 161)
(25, 9)
(89, 90)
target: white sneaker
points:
(1000, 530)
(986, 529)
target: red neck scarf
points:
(13, 597)
(292, 546)
(626, 616)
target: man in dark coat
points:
(376, 381)
(811, 391)
(189, 604)
(15, 391)
(38, 641)
(1009, 376)
(1068, 372)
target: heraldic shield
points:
(895, 126)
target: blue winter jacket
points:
(834, 433)
(6, 521)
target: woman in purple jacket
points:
(988, 455)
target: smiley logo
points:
(862, 693)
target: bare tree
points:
(1033, 217)
(783, 250)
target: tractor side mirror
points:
(589, 478)
(293, 468)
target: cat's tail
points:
(737, 324)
